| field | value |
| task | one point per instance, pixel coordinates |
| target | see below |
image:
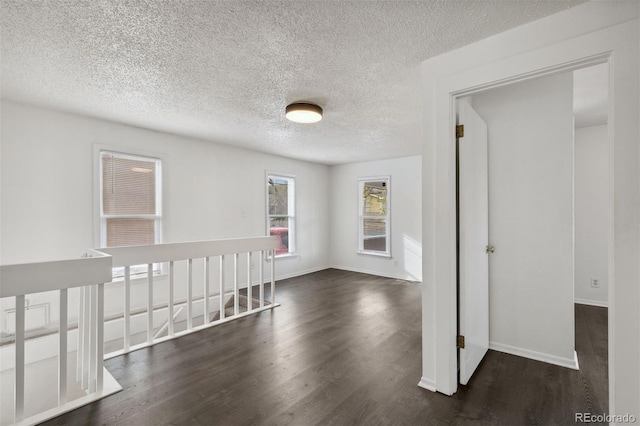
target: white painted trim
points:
(373, 253)
(427, 384)
(297, 274)
(361, 181)
(293, 231)
(136, 255)
(27, 278)
(448, 77)
(538, 356)
(98, 147)
(284, 256)
(111, 386)
(590, 302)
(377, 273)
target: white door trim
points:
(614, 45)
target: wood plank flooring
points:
(344, 348)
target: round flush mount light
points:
(303, 113)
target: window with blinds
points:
(130, 202)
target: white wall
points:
(607, 30)
(530, 134)
(406, 211)
(592, 214)
(211, 191)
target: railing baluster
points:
(190, 295)
(236, 293)
(62, 348)
(79, 352)
(91, 316)
(273, 277)
(150, 303)
(20, 283)
(171, 298)
(100, 337)
(19, 383)
(222, 287)
(206, 290)
(93, 349)
(86, 350)
(127, 308)
(261, 283)
(249, 289)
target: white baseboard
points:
(427, 384)
(298, 273)
(377, 273)
(538, 356)
(590, 302)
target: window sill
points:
(374, 253)
(285, 256)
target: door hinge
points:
(460, 342)
(460, 131)
(490, 249)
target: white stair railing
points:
(164, 285)
(89, 273)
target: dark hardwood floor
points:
(344, 348)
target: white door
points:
(473, 205)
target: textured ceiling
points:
(225, 70)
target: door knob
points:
(490, 249)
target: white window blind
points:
(130, 203)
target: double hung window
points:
(374, 218)
(130, 202)
(281, 212)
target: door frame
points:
(610, 45)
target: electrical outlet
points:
(395, 263)
(595, 283)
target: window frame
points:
(291, 213)
(100, 219)
(362, 217)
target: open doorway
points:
(591, 108)
(505, 60)
(534, 167)
(591, 199)
(530, 221)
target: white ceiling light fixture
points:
(303, 113)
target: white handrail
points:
(158, 253)
(21, 280)
(28, 278)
